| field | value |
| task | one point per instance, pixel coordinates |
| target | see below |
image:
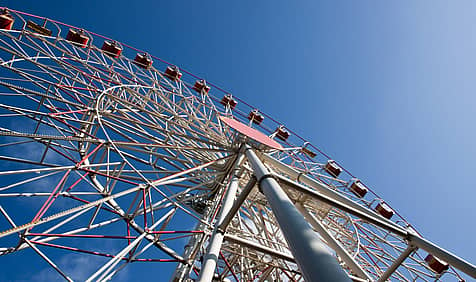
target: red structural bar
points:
(76, 87)
(52, 197)
(365, 248)
(73, 127)
(68, 112)
(260, 273)
(77, 182)
(175, 231)
(229, 267)
(289, 276)
(90, 153)
(98, 253)
(87, 202)
(81, 236)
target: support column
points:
(314, 260)
(333, 243)
(216, 239)
(237, 205)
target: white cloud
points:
(78, 267)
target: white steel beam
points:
(391, 269)
(216, 240)
(258, 247)
(237, 205)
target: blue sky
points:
(385, 88)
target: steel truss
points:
(104, 158)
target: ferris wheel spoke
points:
(140, 121)
(37, 81)
(23, 90)
(120, 132)
(48, 70)
(47, 237)
(66, 212)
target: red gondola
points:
(143, 60)
(282, 133)
(332, 168)
(384, 210)
(201, 86)
(112, 48)
(358, 188)
(173, 73)
(228, 100)
(77, 37)
(6, 20)
(436, 264)
(255, 116)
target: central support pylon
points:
(313, 258)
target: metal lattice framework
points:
(106, 157)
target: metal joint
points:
(299, 176)
(220, 230)
(268, 175)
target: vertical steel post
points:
(216, 239)
(312, 256)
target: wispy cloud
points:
(77, 267)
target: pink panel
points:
(251, 132)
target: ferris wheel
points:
(116, 157)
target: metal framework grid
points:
(116, 161)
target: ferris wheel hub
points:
(251, 133)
